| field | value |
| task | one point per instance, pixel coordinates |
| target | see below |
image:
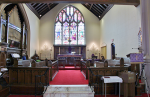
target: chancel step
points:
(69, 91)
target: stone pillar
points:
(145, 22)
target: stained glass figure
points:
(75, 17)
(58, 33)
(69, 27)
(65, 33)
(60, 16)
(81, 33)
(64, 17)
(73, 33)
(79, 17)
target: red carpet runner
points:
(69, 77)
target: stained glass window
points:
(69, 27)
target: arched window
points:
(69, 27)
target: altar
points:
(69, 59)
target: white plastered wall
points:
(122, 24)
(46, 35)
(34, 31)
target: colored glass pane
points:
(82, 19)
(79, 17)
(71, 11)
(68, 18)
(73, 33)
(81, 34)
(69, 27)
(65, 33)
(67, 10)
(75, 9)
(75, 17)
(64, 17)
(60, 16)
(56, 18)
(58, 33)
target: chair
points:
(95, 82)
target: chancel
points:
(78, 48)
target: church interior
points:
(63, 48)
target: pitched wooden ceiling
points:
(40, 9)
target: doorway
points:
(104, 52)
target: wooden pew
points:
(107, 71)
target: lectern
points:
(135, 60)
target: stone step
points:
(68, 88)
(68, 91)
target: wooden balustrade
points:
(54, 69)
(84, 69)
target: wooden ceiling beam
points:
(106, 10)
(91, 6)
(39, 7)
(42, 9)
(33, 10)
(48, 5)
(101, 6)
(39, 4)
(97, 7)
(98, 11)
(95, 11)
(124, 2)
(105, 5)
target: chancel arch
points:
(69, 27)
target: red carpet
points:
(69, 77)
(69, 68)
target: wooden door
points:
(104, 52)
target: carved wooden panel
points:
(28, 76)
(21, 76)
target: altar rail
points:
(84, 69)
(54, 69)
